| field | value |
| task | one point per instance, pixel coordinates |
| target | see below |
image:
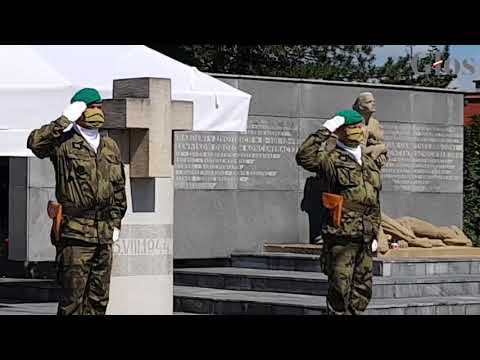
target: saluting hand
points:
(334, 123)
(73, 111)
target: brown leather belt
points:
(101, 214)
(365, 209)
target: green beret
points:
(352, 117)
(88, 96)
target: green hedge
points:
(471, 181)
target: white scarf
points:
(356, 151)
(92, 136)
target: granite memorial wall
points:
(238, 191)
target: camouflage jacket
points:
(85, 180)
(359, 185)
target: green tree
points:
(263, 60)
(329, 62)
(336, 62)
(471, 180)
(401, 71)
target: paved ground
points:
(11, 307)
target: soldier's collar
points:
(81, 141)
(355, 154)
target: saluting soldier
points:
(90, 190)
(352, 193)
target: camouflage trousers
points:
(84, 277)
(349, 267)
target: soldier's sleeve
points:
(119, 207)
(313, 156)
(43, 141)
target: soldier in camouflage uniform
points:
(90, 186)
(347, 171)
(374, 146)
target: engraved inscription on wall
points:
(423, 158)
(261, 158)
(206, 160)
(267, 154)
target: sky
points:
(458, 54)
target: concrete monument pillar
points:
(141, 117)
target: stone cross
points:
(143, 107)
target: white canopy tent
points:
(37, 82)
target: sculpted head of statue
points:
(365, 104)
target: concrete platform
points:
(28, 290)
(315, 283)
(234, 302)
(411, 253)
(381, 266)
(9, 307)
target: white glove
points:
(73, 111)
(374, 245)
(116, 234)
(334, 123)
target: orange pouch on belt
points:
(55, 213)
(334, 203)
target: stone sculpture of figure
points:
(373, 143)
(374, 137)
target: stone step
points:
(235, 302)
(276, 261)
(381, 266)
(31, 290)
(185, 313)
(315, 283)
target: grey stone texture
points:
(263, 158)
(231, 82)
(315, 283)
(17, 220)
(272, 98)
(273, 164)
(213, 223)
(18, 171)
(439, 209)
(234, 302)
(143, 250)
(40, 173)
(143, 194)
(322, 101)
